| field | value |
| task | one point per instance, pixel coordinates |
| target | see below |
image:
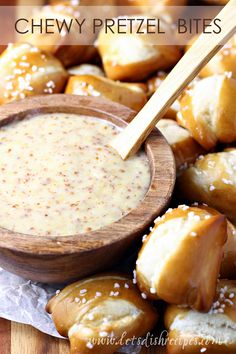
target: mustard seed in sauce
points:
(60, 177)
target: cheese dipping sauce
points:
(59, 176)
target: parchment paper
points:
(24, 301)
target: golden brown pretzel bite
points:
(101, 309)
(180, 259)
(191, 332)
(228, 265)
(26, 71)
(85, 69)
(184, 147)
(63, 45)
(212, 180)
(222, 62)
(161, 2)
(216, 2)
(208, 110)
(169, 9)
(153, 84)
(93, 85)
(133, 56)
(151, 3)
(83, 2)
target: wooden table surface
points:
(16, 338)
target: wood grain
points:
(61, 259)
(17, 338)
(5, 336)
(203, 49)
(27, 340)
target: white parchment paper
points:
(24, 301)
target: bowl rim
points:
(132, 224)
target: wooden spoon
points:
(206, 46)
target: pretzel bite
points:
(180, 259)
(223, 62)
(26, 71)
(160, 2)
(167, 8)
(95, 313)
(125, 2)
(86, 69)
(84, 2)
(216, 2)
(214, 332)
(208, 110)
(212, 180)
(93, 85)
(151, 3)
(63, 45)
(140, 85)
(132, 56)
(228, 265)
(153, 84)
(184, 147)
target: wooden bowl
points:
(61, 259)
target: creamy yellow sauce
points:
(59, 176)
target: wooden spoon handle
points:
(206, 46)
